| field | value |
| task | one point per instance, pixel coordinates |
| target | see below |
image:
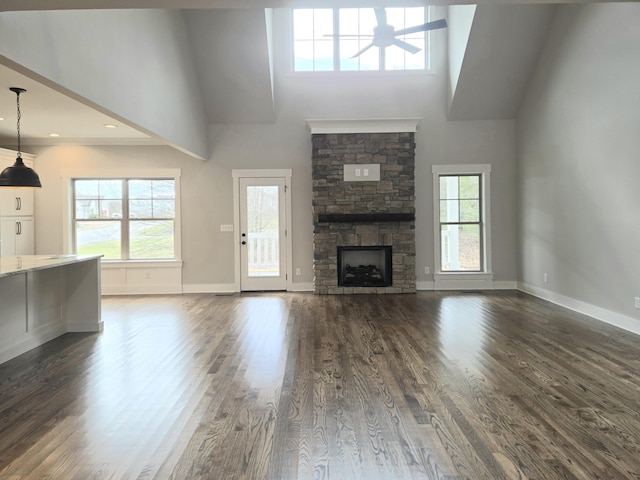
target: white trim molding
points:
(285, 173)
(301, 287)
(363, 125)
(425, 286)
(466, 284)
(464, 280)
(215, 288)
(141, 277)
(629, 324)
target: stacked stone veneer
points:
(394, 193)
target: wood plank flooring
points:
(297, 386)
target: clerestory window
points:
(360, 39)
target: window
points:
(125, 219)
(461, 198)
(330, 39)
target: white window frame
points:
(464, 280)
(336, 60)
(68, 220)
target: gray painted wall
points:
(579, 161)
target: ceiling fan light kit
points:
(19, 175)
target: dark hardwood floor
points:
(297, 386)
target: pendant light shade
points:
(19, 175)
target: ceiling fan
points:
(384, 35)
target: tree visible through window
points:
(460, 223)
(125, 219)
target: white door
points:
(262, 234)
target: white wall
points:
(207, 187)
(135, 65)
(579, 164)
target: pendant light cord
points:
(18, 125)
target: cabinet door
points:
(8, 234)
(16, 235)
(16, 201)
(24, 237)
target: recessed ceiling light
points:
(54, 134)
(110, 125)
(1, 118)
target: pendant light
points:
(19, 175)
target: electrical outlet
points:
(427, 270)
(637, 302)
(297, 272)
(226, 228)
(546, 278)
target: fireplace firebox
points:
(365, 266)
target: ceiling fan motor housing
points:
(383, 35)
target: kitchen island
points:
(45, 296)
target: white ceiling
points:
(45, 111)
(15, 5)
(236, 91)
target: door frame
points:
(285, 173)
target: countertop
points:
(29, 263)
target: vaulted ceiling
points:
(497, 53)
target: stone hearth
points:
(364, 213)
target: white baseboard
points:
(471, 285)
(223, 288)
(607, 316)
(85, 326)
(227, 288)
(429, 285)
(141, 289)
(301, 287)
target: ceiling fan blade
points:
(363, 50)
(436, 24)
(381, 16)
(406, 46)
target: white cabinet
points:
(16, 212)
(16, 236)
(16, 201)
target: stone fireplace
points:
(364, 199)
